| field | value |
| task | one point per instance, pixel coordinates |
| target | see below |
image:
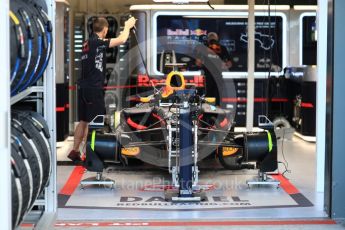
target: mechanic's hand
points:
(130, 23)
(198, 62)
(227, 65)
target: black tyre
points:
(34, 160)
(39, 10)
(34, 131)
(23, 55)
(17, 197)
(24, 177)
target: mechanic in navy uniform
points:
(90, 86)
(213, 58)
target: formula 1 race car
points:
(176, 128)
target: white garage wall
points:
(322, 18)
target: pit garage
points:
(217, 113)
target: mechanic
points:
(215, 51)
(90, 85)
(213, 58)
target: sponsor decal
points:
(155, 201)
(145, 81)
(198, 32)
(197, 223)
(177, 32)
(151, 196)
(186, 32)
(99, 60)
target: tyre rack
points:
(5, 150)
(46, 214)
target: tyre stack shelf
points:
(32, 131)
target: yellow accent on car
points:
(130, 151)
(228, 151)
(170, 89)
(167, 92)
(180, 75)
(210, 100)
(117, 118)
(93, 140)
(145, 99)
(270, 143)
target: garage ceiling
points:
(273, 2)
(117, 6)
(112, 6)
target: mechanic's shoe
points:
(83, 157)
(75, 157)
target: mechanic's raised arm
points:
(122, 38)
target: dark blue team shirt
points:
(93, 62)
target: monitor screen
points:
(309, 41)
(226, 37)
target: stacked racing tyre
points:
(31, 161)
(31, 43)
(31, 157)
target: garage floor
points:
(138, 193)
